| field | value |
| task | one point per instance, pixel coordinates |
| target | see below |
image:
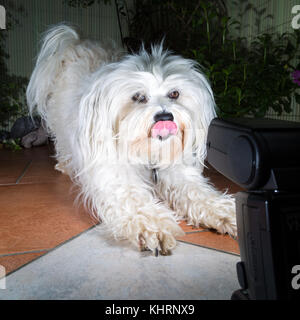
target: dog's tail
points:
(48, 66)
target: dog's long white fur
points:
(83, 90)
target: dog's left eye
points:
(140, 98)
(173, 95)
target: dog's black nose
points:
(163, 116)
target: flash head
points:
(256, 154)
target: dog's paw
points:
(218, 214)
(162, 240)
(224, 225)
(156, 242)
(226, 219)
(227, 225)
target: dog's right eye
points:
(140, 98)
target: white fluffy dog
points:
(131, 131)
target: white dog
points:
(131, 131)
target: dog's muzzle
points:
(163, 116)
(164, 126)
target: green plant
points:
(251, 79)
(12, 91)
(12, 144)
(246, 78)
(12, 87)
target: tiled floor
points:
(37, 213)
(88, 268)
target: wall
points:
(271, 16)
(98, 22)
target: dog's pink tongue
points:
(163, 129)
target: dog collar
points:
(154, 175)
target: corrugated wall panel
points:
(281, 10)
(98, 21)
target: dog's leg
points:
(130, 211)
(196, 200)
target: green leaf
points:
(297, 98)
(225, 71)
(224, 21)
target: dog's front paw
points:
(217, 213)
(157, 242)
(227, 225)
(161, 239)
(226, 216)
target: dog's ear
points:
(94, 134)
(205, 112)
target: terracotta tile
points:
(36, 153)
(10, 171)
(13, 163)
(212, 240)
(13, 262)
(41, 171)
(39, 216)
(9, 155)
(40, 153)
(221, 182)
(187, 228)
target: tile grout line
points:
(206, 247)
(198, 231)
(23, 252)
(23, 173)
(47, 251)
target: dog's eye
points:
(173, 95)
(140, 98)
